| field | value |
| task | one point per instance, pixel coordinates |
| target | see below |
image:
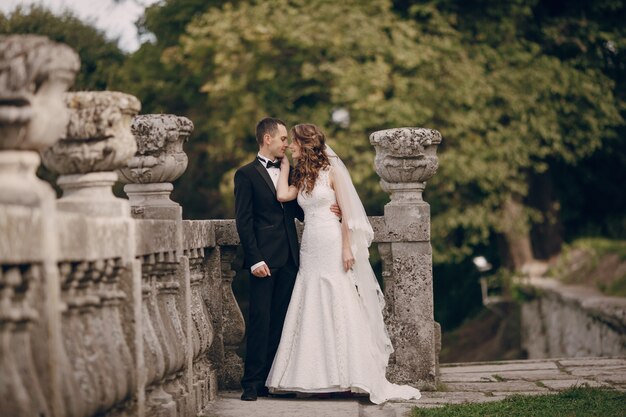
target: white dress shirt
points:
(273, 173)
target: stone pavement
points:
(460, 383)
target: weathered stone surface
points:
(409, 315)
(592, 362)
(230, 405)
(527, 375)
(572, 321)
(405, 160)
(233, 324)
(406, 155)
(98, 136)
(91, 194)
(614, 378)
(507, 386)
(198, 234)
(17, 242)
(34, 72)
(156, 236)
(160, 156)
(226, 232)
(90, 239)
(497, 367)
(408, 224)
(152, 201)
(561, 384)
(597, 371)
(159, 160)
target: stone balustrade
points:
(119, 307)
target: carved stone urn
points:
(97, 142)
(34, 74)
(159, 160)
(405, 159)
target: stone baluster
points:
(205, 383)
(158, 402)
(206, 307)
(34, 73)
(405, 160)
(99, 277)
(158, 161)
(233, 324)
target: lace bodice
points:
(316, 205)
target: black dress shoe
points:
(249, 394)
(262, 392)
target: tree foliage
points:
(100, 58)
(507, 108)
(525, 93)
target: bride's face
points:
(295, 149)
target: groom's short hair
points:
(267, 125)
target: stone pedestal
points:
(97, 142)
(91, 194)
(152, 201)
(405, 159)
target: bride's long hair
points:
(313, 157)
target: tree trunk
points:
(516, 246)
(546, 236)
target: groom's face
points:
(278, 142)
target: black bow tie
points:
(270, 164)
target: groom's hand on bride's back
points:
(335, 209)
(262, 271)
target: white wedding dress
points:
(326, 343)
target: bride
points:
(334, 337)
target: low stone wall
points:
(564, 321)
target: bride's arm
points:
(284, 191)
(346, 249)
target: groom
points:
(268, 235)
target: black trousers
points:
(269, 300)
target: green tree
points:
(509, 109)
(165, 85)
(99, 56)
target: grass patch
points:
(498, 378)
(594, 262)
(574, 402)
(442, 387)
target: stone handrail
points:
(119, 307)
(560, 320)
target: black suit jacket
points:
(266, 227)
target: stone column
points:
(405, 160)
(99, 278)
(168, 296)
(34, 74)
